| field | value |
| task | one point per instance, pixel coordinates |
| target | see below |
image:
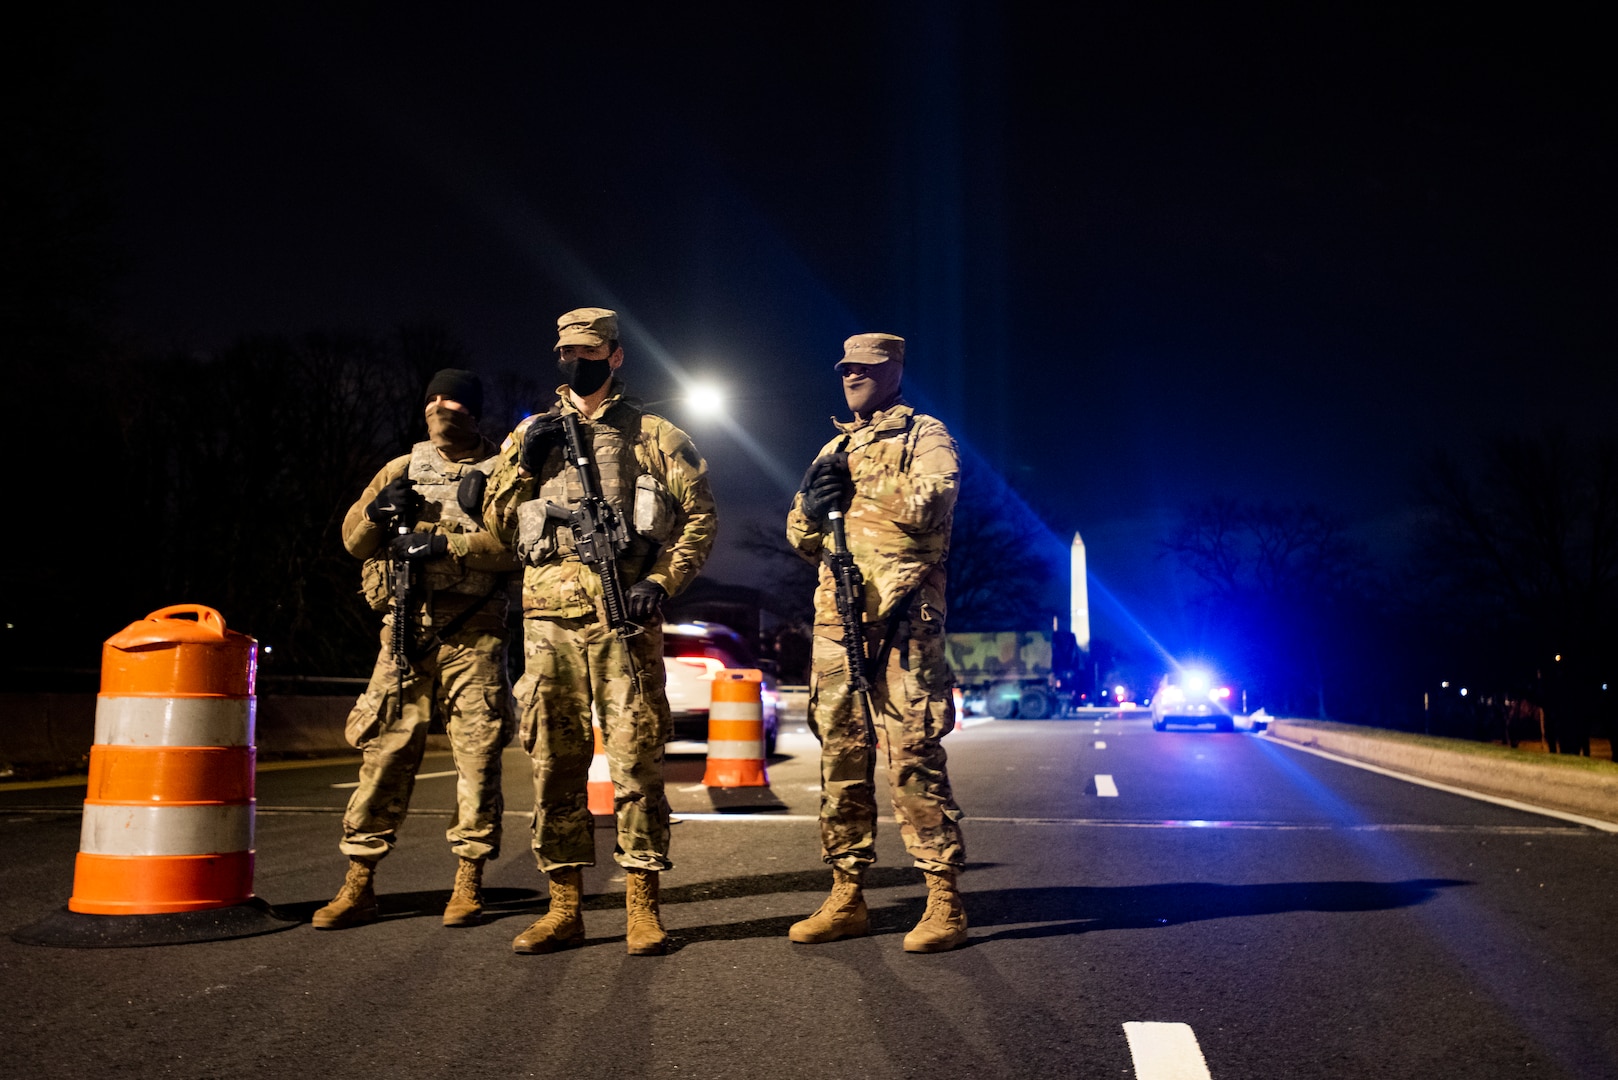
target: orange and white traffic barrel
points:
(168, 812)
(600, 779)
(736, 730)
(166, 849)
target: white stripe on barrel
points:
(736, 730)
(170, 721)
(165, 830)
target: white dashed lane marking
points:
(419, 776)
(1165, 1052)
(1100, 745)
(1105, 787)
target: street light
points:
(705, 400)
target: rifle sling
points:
(898, 623)
(453, 627)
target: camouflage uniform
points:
(464, 675)
(905, 470)
(653, 476)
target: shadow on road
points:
(409, 905)
(1025, 913)
(1082, 909)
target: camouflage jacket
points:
(906, 473)
(555, 583)
(453, 581)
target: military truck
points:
(1015, 673)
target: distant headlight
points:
(1223, 693)
(1197, 683)
(1172, 695)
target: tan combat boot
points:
(646, 936)
(355, 902)
(563, 925)
(466, 902)
(943, 924)
(840, 915)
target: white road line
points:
(1100, 745)
(1274, 826)
(1498, 800)
(1105, 787)
(1165, 1052)
(419, 776)
(678, 816)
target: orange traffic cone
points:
(600, 782)
(736, 730)
(168, 810)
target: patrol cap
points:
(460, 385)
(873, 349)
(587, 326)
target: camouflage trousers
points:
(913, 709)
(572, 665)
(465, 679)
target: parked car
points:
(1192, 696)
(692, 653)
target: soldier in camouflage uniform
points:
(457, 651)
(894, 472)
(658, 484)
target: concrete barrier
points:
(56, 730)
(792, 704)
(1576, 785)
(47, 729)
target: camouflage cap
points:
(587, 326)
(873, 349)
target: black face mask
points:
(585, 377)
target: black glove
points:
(470, 494)
(398, 499)
(419, 547)
(827, 486)
(542, 435)
(644, 600)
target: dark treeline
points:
(223, 480)
(1508, 592)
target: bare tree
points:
(1521, 553)
(1284, 585)
(1000, 569)
(239, 468)
(792, 578)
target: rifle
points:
(599, 533)
(850, 593)
(402, 581)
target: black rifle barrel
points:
(850, 594)
(403, 586)
(599, 533)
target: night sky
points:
(1142, 255)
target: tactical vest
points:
(437, 481)
(640, 498)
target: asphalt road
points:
(1141, 904)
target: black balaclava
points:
(877, 390)
(453, 432)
